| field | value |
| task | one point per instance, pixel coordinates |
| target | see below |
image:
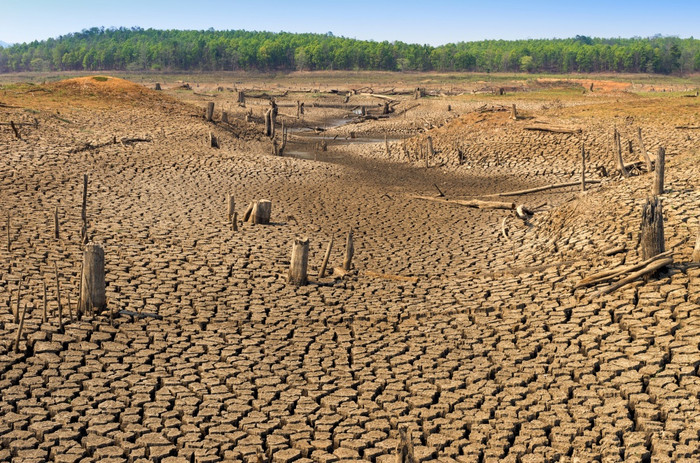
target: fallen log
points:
(476, 203)
(607, 275)
(649, 269)
(543, 188)
(376, 95)
(552, 129)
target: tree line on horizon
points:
(136, 49)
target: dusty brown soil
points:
(477, 344)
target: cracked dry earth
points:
(488, 356)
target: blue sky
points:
(430, 21)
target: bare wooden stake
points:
(645, 156)
(83, 213)
(349, 251)
(658, 188)
(92, 288)
(9, 236)
(514, 113)
(14, 129)
(231, 206)
(617, 147)
(19, 297)
(326, 256)
(267, 122)
(56, 225)
(298, 266)
(19, 328)
(234, 221)
(696, 251)
(210, 111)
(652, 229)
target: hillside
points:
(99, 49)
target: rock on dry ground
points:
(478, 345)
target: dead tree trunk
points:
(514, 113)
(326, 256)
(230, 207)
(349, 252)
(56, 229)
(696, 251)
(15, 130)
(158, 86)
(241, 98)
(645, 155)
(92, 286)
(260, 212)
(659, 172)
(298, 265)
(210, 111)
(652, 230)
(83, 213)
(617, 148)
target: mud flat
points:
(462, 326)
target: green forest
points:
(136, 49)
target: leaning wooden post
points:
(349, 251)
(652, 230)
(19, 297)
(617, 148)
(210, 111)
(326, 256)
(19, 328)
(231, 206)
(583, 168)
(659, 172)
(300, 259)
(645, 155)
(92, 287)
(224, 117)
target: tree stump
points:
(652, 229)
(158, 86)
(56, 228)
(224, 117)
(658, 188)
(298, 266)
(214, 141)
(267, 122)
(514, 113)
(230, 206)
(92, 285)
(349, 252)
(260, 212)
(696, 251)
(210, 111)
(241, 98)
(645, 155)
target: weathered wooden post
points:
(645, 155)
(44, 315)
(652, 230)
(210, 111)
(259, 212)
(58, 297)
(9, 235)
(92, 286)
(214, 141)
(696, 251)
(234, 221)
(404, 449)
(349, 251)
(583, 168)
(326, 256)
(241, 98)
(230, 206)
(267, 122)
(514, 113)
(19, 329)
(658, 188)
(224, 117)
(19, 298)
(158, 86)
(56, 229)
(300, 259)
(617, 148)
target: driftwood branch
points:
(124, 141)
(607, 275)
(649, 269)
(552, 129)
(469, 202)
(543, 188)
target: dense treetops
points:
(177, 50)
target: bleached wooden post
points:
(92, 287)
(230, 206)
(327, 256)
(645, 155)
(259, 212)
(658, 188)
(300, 259)
(19, 329)
(210, 111)
(652, 230)
(349, 251)
(696, 251)
(514, 113)
(56, 228)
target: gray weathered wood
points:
(652, 229)
(326, 256)
(260, 212)
(92, 288)
(349, 251)
(514, 113)
(210, 111)
(658, 188)
(298, 265)
(645, 155)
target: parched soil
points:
(460, 325)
